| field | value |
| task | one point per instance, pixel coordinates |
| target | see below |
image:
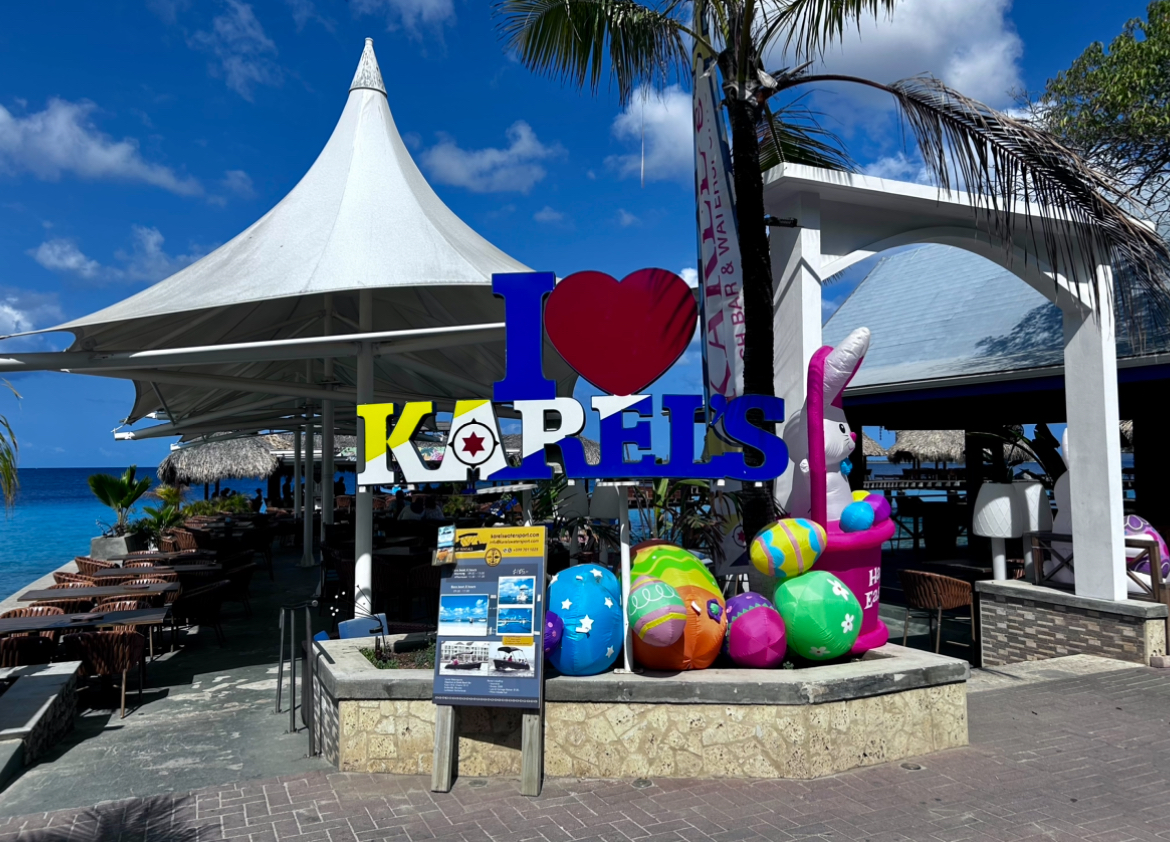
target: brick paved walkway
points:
(1084, 758)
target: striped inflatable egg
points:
(658, 615)
(788, 547)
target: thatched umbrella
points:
(210, 462)
(928, 446)
(1127, 436)
(871, 448)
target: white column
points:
(1094, 441)
(297, 472)
(308, 558)
(796, 280)
(624, 537)
(327, 424)
(364, 503)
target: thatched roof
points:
(207, 462)
(1127, 435)
(928, 446)
(871, 447)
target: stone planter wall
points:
(714, 723)
(38, 709)
(1023, 622)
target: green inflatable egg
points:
(821, 615)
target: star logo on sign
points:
(473, 443)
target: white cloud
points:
(514, 169)
(22, 310)
(691, 276)
(240, 183)
(626, 219)
(304, 11)
(664, 121)
(63, 255)
(146, 259)
(900, 167)
(547, 214)
(241, 49)
(972, 46)
(408, 14)
(62, 139)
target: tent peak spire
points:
(369, 75)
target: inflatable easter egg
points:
(1139, 527)
(657, 613)
(755, 632)
(859, 495)
(554, 630)
(880, 506)
(703, 631)
(857, 517)
(788, 547)
(821, 615)
(587, 599)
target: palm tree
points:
(9, 478)
(120, 494)
(1001, 161)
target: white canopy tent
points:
(360, 283)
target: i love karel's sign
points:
(621, 337)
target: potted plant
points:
(120, 494)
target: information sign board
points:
(489, 650)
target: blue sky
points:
(137, 136)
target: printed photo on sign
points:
(463, 614)
(517, 590)
(460, 655)
(510, 620)
(515, 661)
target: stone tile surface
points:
(1078, 755)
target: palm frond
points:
(1005, 164)
(9, 451)
(809, 27)
(571, 40)
(793, 134)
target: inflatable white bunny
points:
(818, 436)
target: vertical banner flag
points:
(720, 268)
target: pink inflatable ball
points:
(554, 630)
(881, 507)
(756, 636)
(857, 517)
(1139, 527)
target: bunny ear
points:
(842, 364)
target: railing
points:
(1043, 549)
(288, 621)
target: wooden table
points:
(58, 622)
(99, 592)
(161, 556)
(146, 572)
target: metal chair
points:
(932, 594)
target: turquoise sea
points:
(55, 516)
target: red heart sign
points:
(621, 337)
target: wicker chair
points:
(168, 544)
(149, 570)
(88, 566)
(26, 650)
(932, 594)
(34, 611)
(65, 578)
(108, 653)
(184, 539)
(130, 565)
(66, 586)
(122, 603)
(239, 583)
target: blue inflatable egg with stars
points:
(587, 599)
(857, 517)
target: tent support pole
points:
(624, 527)
(364, 504)
(308, 559)
(296, 472)
(327, 432)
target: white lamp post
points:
(997, 516)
